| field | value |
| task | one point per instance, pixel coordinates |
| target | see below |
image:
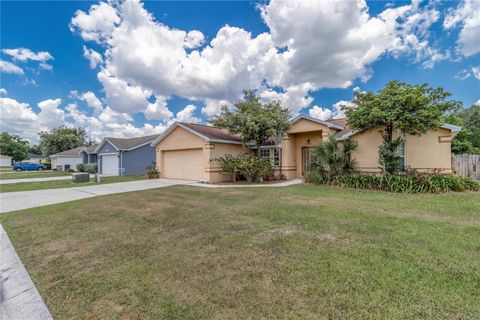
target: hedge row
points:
(398, 183)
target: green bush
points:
(152, 173)
(48, 165)
(87, 167)
(245, 165)
(90, 168)
(409, 183)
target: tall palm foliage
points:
(332, 158)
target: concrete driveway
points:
(12, 201)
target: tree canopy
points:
(61, 139)
(253, 120)
(13, 146)
(412, 109)
(468, 139)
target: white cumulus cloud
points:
(187, 114)
(8, 67)
(95, 25)
(25, 54)
(158, 110)
(320, 113)
(94, 58)
(143, 57)
(467, 16)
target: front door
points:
(306, 159)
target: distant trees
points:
(61, 139)
(35, 149)
(468, 139)
(13, 146)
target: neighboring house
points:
(67, 159)
(125, 157)
(88, 154)
(184, 150)
(36, 158)
(70, 158)
(5, 161)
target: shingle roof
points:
(72, 152)
(125, 144)
(212, 132)
(342, 123)
(92, 148)
(34, 156)
(346, 129)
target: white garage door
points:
(110, 165)
(184, 164)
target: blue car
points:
(28, 166)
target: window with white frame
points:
(400, 152)
(276, 157)
(265, 153)
(271, 153)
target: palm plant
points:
(331, 158)
(349, 165)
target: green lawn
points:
(26, 186)
(32, 174)
(300, 252)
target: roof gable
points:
(305, 124)
(207, 133)
(75, 152)
(325, 123)
(122, 144)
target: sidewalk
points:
(10, 181)
(19, 298)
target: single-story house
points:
(5, 161)
(63, 161)
(125, 157)
(70, 158)
(36, 158)
(185, 150)
(88, 154)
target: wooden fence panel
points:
(467, 165)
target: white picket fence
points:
(467, 165)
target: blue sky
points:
(151, 69)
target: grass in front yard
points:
(28, 186)
(32, 174)
(304, 252)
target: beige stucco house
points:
(185, 150)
